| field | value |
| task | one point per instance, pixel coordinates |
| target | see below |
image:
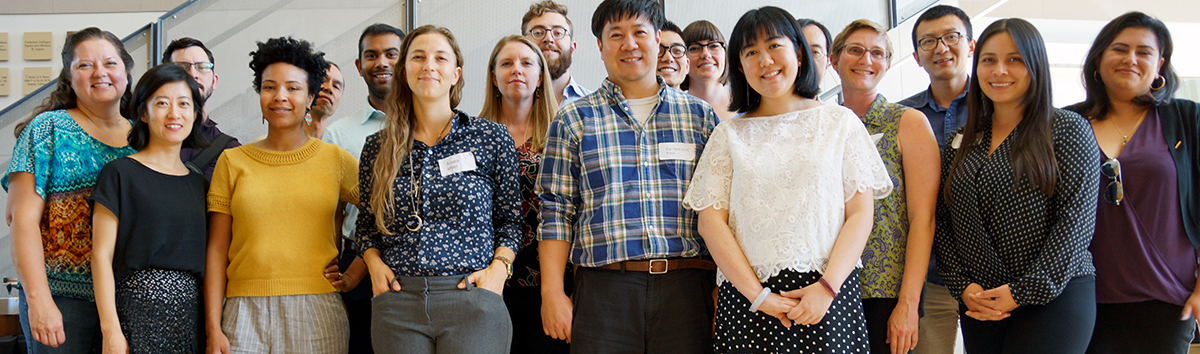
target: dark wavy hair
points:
(1096, 106)
(1032, 155)
(617, 10)
(63, 96)
(771, 21)
(297, 52)
(151, 81)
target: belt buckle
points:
(663, 262)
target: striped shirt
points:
(613, 187)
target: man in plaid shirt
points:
(616, 165)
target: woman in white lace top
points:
(784, 194)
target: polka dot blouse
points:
(1001, 230)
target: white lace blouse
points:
(785, 180)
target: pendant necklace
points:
(1125, 138)
(414, 222)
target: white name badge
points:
(957, 142)
(875, 138)
(457, 163)
(676, 151)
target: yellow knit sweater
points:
(283, 205)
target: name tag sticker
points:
(676, 151)
(875, 138)
(457, 163)
(957, 142)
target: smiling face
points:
(429, 67)
(771, 64)
(816, 42)
(377, 61)
(945, 62)
(1130, 63)
(707, 60)
(170, 114)
(672, 69)
(283, 95)
(517, 71)
(1003, 76)
(557, 51)
(97, 73)
(629, 48)
(862, 72)
(194, 55)
(331, 92)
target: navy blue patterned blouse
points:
(467, 213)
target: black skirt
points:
(842, 330)
(158, 310)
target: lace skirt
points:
(842, 330)
(158, 310)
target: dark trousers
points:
(81, 325)
(877, 313)
(525, 306)
(636, 312)
(358, 306)
(1141, 327)
(1063, 326)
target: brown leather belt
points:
(661, 266)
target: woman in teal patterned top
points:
(54, 164)
(897, 254)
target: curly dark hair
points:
(297, 52)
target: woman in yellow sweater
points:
(271, 229)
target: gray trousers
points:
(432, 315)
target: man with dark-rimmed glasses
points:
(192, 55)
(547, 25)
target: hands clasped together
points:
(805, 306)
(989, 305)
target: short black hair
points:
(616, 10)
(672, 27)
(297, 52)
(151, 81)
(377, 29)
(805, 22)
(940, 11)
(184, 43)
(331, 64)
(772, 21)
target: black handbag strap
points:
(206, 157)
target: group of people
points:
(701, 199)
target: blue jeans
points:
(81, 324)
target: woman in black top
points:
(1019, 205)
(148, 226)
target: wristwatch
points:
(507, 264)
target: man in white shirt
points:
(547, 25)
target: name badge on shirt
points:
(875, 138)
(676, 151)
(456, 163)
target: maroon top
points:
(1140, 250)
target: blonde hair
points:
(395, 139)
(839, 43)
(545, 104)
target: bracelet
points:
(762, 296)
(828, 287)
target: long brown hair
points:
(545, 104)
(63, 96)
(395, 139)
(1032, 154)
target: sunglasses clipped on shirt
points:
(1115, 191)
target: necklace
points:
(414, 222)
(1125, 138)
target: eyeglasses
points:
(202, 66)
(695, 49)
(858, 51)
(539, 32)
(677, 50)
(1114, 192)
(817, 55)
(949, 39)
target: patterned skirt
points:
(842, 330)
(158, 310)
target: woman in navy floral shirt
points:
(440, 222)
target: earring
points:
(1162, 83)
(1095, 75)
(264, 120)
(537, 93)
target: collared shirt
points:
(943, 120)
(351, 133)
(210, 132)
(469, 201)
(614, 187)
(572, 92)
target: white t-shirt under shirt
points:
(643, 108)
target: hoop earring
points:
(1160, 86)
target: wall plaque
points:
(3, 46)
(39, 46)
(3, 82)
(35, 78)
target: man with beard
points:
(547, 25)
(378, 55)
(327, 101)
(192, 55)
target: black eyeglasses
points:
(1114, 192)
(949, 39)
(202, 66)
(540, 32)
(677, 50)
(694, 50)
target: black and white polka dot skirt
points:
(842, 330)
(158, 310)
